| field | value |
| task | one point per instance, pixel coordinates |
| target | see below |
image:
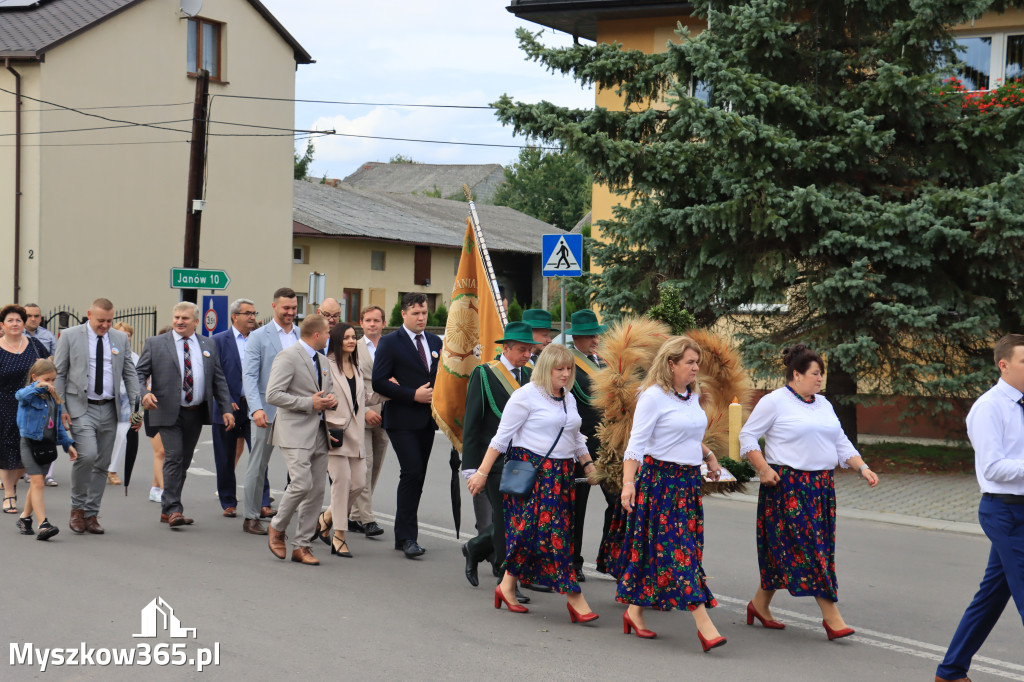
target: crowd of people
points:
(331, 403)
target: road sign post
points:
(562, 256)
(196, 278)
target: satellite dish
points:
(191, 8)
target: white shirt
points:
(371, 347)
(667, 428)
(995, 426)
(804, 436)
(240, 340)
(512, 368)
(426, 346)
(107, 369)
(532, 419)
(198, 367)
(287, 339)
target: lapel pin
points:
(114, 351)
(433, 354)
(206, 353)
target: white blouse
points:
(532, 419)
(667, 428)
(804, 436)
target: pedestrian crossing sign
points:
(562, 255)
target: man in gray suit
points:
(375, 443)
(263, 345)
(185, 377)
(300, 385)
(92, 360)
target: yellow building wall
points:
(109, 220)
(346, 262)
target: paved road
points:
(379, 616)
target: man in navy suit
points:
(227, 445)
(408, 355)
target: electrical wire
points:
(111, 106)
(465, 144)
(361, 104)
(81, 130)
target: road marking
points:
(881, 640)
(199, 471)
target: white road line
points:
(199, 471)
(881, 640)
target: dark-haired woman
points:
(18, 352)
(796, 509)
(345, 463)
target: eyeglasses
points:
(335, 316)
(250, 313)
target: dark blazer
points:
(481, 421)
(397, 357)
(159, 362)
(588, 413)
(227, 353)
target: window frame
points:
(997, 54)
(219, 25)
(383, 260)
(305, 255)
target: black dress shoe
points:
(412, 550)
(356, 527)
(538, 588)
(471, 563)
(523, 599)
(580, 578)
(372, 530)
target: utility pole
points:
(196, 169)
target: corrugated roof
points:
(483, 179)
(30, 32)
(346, 211)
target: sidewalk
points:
(934, 501)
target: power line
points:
(85, 113)
(81, 130)
(116, 144)
(361, 104)
(111, 106)
(465, 144)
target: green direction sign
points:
(194, 278)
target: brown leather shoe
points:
(77, 522)
(165, 518)
(177, 519)
(276, 539)
(230, 512)
(253, 526)
(267, 513)
(93, 526)
(304, 555)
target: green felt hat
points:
(519, 332)
(537, 318)
(584, 323)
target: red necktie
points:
(423, 352)
(187, 381)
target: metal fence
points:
(143, 320)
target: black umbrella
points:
(456, 463)
(131, 452)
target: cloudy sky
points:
(429, 52)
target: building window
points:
(204, 40)
(353, 304)
(301, 299)
(421, 266)
(990, 60)
(300, 254)
(378, 260)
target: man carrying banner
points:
(540, 322)
(585, 331)
(490, 386)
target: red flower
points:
(688, 590)
(680, 555)
(691, 525)
(791, 503)
(615, 552)
(634, 556)
(520, 525)
(662, 580)
(556, 542)
(659, 547)
(547, 464)
(558, 489)
(545, 517)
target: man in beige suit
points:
(375, 443)
(300, 386)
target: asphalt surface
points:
(380, 616)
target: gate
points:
(143, 320)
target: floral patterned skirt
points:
(611, 544)
(538, 528)
(796, 533)
(661, 558)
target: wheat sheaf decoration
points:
(628, 348)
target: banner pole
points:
(561, 283)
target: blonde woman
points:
(541, 424)
(662, 555)
(125, 438)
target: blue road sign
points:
(215, 315)
(562, 255)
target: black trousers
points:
(412, 447)
(489, 545)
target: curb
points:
(922, 522)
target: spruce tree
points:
(828, 170)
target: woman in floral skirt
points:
(796, 506)
(541, 418)
(663, 551)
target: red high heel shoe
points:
(836, 634)
(710, 644)
(628, 624)
(499, 597)
(577, 617)
(770, 624)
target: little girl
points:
(39, 420)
